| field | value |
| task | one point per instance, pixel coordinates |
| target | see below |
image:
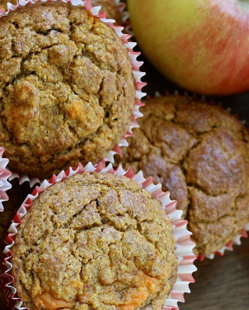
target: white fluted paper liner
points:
(121, 8)
(184, 245)
(25, 178)
(229, 245)
(124, 13)
(4, 176)
(133, 56)
(243, 233)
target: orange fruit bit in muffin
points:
(48, 301)
(148, 286)
(98, 242)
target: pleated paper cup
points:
(4, 177)
(228, 246)
(160, 143)
(135, 68)
(184, 245)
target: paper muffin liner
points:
(184, 245)
(123, 12)
(243, 233)
(122, 7)
(132, 54)
(228, 246)
(4, 176)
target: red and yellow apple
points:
(201, 45)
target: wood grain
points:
(221, 283)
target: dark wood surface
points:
(221, 283)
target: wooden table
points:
(221, 283)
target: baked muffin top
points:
(199, 152)
(108, 6)
(94, 241)
(67, 90)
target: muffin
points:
(111, 9)
(66, 86)
(94, 241)
(108, 6)
(199, 152)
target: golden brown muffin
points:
(111, 9)
(200, 153)
(108, 6)
(67, 90)
(99, 242)
(16, 194)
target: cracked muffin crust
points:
(95, 241)
(108, 6)
(67, 91)
(200, 153)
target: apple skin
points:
(201, 45)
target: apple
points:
(201, 45)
